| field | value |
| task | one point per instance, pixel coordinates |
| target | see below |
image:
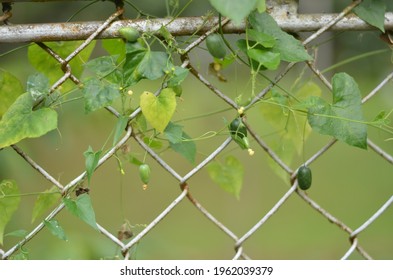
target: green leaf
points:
(262, 38)
(98, 94)
(180, 142)
(158, 110)
(9, 202)
(82, 208)
(11, 88)
(228, 175)
(115, 47)
(174, 132)
(380, 116)
(121, 124)
(343, 119)
(55, 228)
(133, 160)
(140, 123)
(44, 201)
(289, 124)
(381, 119)
(21, 233)
(177, 76)
(38, 86)
(153, 143)
(285, 150)
(268, 59)
(21, 122)
(153, 65)
(106, 67)
(261, 6)
(234, 9)
(291, 50)
(91, 161)
(261, 58)
(142, 63)
(226, 61)
(372, 12)
(134, 56)
(51, 68)
(134, 48)
(186, 147)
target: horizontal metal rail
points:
(178, 27)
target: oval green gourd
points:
(237, 128)
(304, 177)
(239, 133)
(129, 33)
(144, 173)
(216, 46)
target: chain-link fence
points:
(241, 229)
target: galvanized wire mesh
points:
(108, 29)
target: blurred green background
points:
(349, 183)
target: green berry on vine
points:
(237, 128)
(238, 133)
(129, 33)
(216, 46)
(304, 177)
(144, 174)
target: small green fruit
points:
(129, 33)
(144, 173)
(304, 177)
(216, 46)
(239, 133)
(237, 128)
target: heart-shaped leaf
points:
(11, 88)
(20, 121)
(186, 147)
(38, 86)
(44, 201)
(143, 63)
(98, 94)
(291, 50)
(289, 124)
(268, 59)
(82, 208)
(50, 67)
(234, 9)
(174, 133)
(342, 119)
(372, 12)
(158, 110)
(91, 161)
(264, 39)
(228, 175)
